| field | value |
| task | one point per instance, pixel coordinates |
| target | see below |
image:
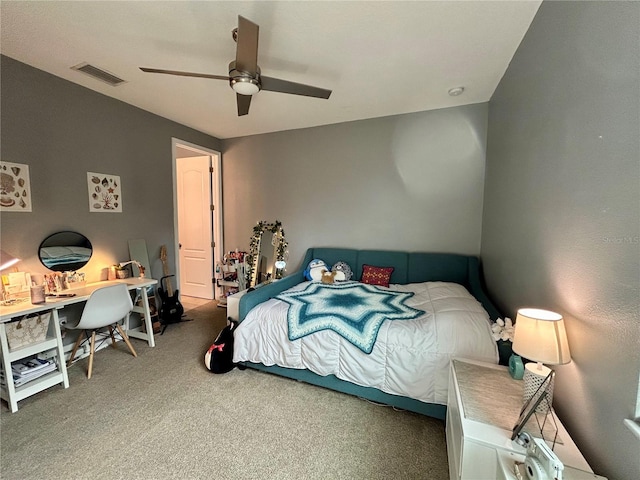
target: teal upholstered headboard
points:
(408, 267)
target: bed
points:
(446, 313)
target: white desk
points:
(53, 304)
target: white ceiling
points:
(379, 57)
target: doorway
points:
(197, 217)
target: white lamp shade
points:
(540, 336)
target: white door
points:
(195, 249)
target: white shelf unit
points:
(11, 393)
(232, 266)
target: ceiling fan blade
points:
(184, 74)
(247, 48)
(284, 86)
(243, 104)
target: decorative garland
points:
(254, 244)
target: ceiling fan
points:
(244, 73)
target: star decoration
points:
(353, 310)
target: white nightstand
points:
(483, 406)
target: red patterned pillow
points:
(376, 275)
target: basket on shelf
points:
(122, 273)
(27, 330)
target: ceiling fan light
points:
(245, 86)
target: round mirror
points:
(65, 251)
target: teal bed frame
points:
(409, 267)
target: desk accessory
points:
(516, 367)
(37, 293)
(141, 269)
(540, 336)
(530, 406)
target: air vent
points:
(99, 74)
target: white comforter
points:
(410, 357)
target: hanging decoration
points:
(105, 192)
(15, 188)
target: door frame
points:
(215, 198)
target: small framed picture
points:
(105, 192)
(530, 406)
(15, 188)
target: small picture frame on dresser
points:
(530, 406)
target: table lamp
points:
(540, 336)
(141, 269)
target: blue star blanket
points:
(353, 310)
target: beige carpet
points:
(163, 415)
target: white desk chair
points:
(105, 308)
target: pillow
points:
(376, 275)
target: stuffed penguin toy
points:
(314, 271)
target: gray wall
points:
(561, 227)
(62, 131)
(408, 182)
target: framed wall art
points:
(15, 188)
(530, 406)
(105, 192)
